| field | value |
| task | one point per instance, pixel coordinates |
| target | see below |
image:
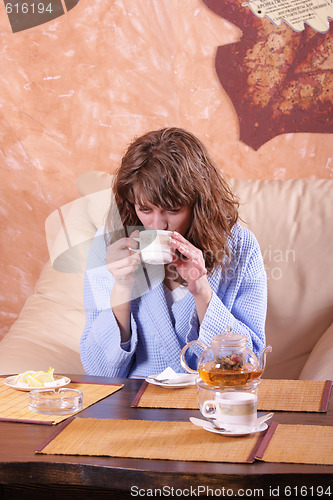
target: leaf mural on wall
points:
(279, 81)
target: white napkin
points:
(177, 378)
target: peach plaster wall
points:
(74, 91)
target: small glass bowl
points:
(55, 402)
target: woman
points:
(138, 317)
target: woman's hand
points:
(121, 262)
(191, 265)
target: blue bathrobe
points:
(161, 328)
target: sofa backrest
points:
(293, 222)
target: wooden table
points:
(23, 474)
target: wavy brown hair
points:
(171, 168)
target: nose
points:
(160, 220)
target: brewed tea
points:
(211, 374)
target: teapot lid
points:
(229, 339)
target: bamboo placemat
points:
(14, 405)
(305, 444)
(148, 440)
(154, 396)
(294, 395)
(273, 395)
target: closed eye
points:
(145, 210)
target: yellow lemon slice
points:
(21, 378)
(34, 378)
(33, 381)
(44, 377)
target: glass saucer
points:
(55, 402)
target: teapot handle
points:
(182, 355)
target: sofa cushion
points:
(95, 187)
(48, 329)
(292, 221)
(69, 232)
(93, 181)
(319, 365)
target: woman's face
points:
(152, 217)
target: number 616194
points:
(28, 8)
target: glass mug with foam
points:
(234, 408)
(154, 246)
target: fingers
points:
(135, 234)
(193, 266)
(183, 246)
(187, 249)
(131, 242)
(124, 267)
(121, 262)
(189, 271)
(121, 248)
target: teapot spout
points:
(262, 357)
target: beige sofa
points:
(293, 222)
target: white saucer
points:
(59, 381)
(240, 432)
(184, 380)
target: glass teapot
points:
(228, 361)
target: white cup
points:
(154, 246)
(232, 408)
